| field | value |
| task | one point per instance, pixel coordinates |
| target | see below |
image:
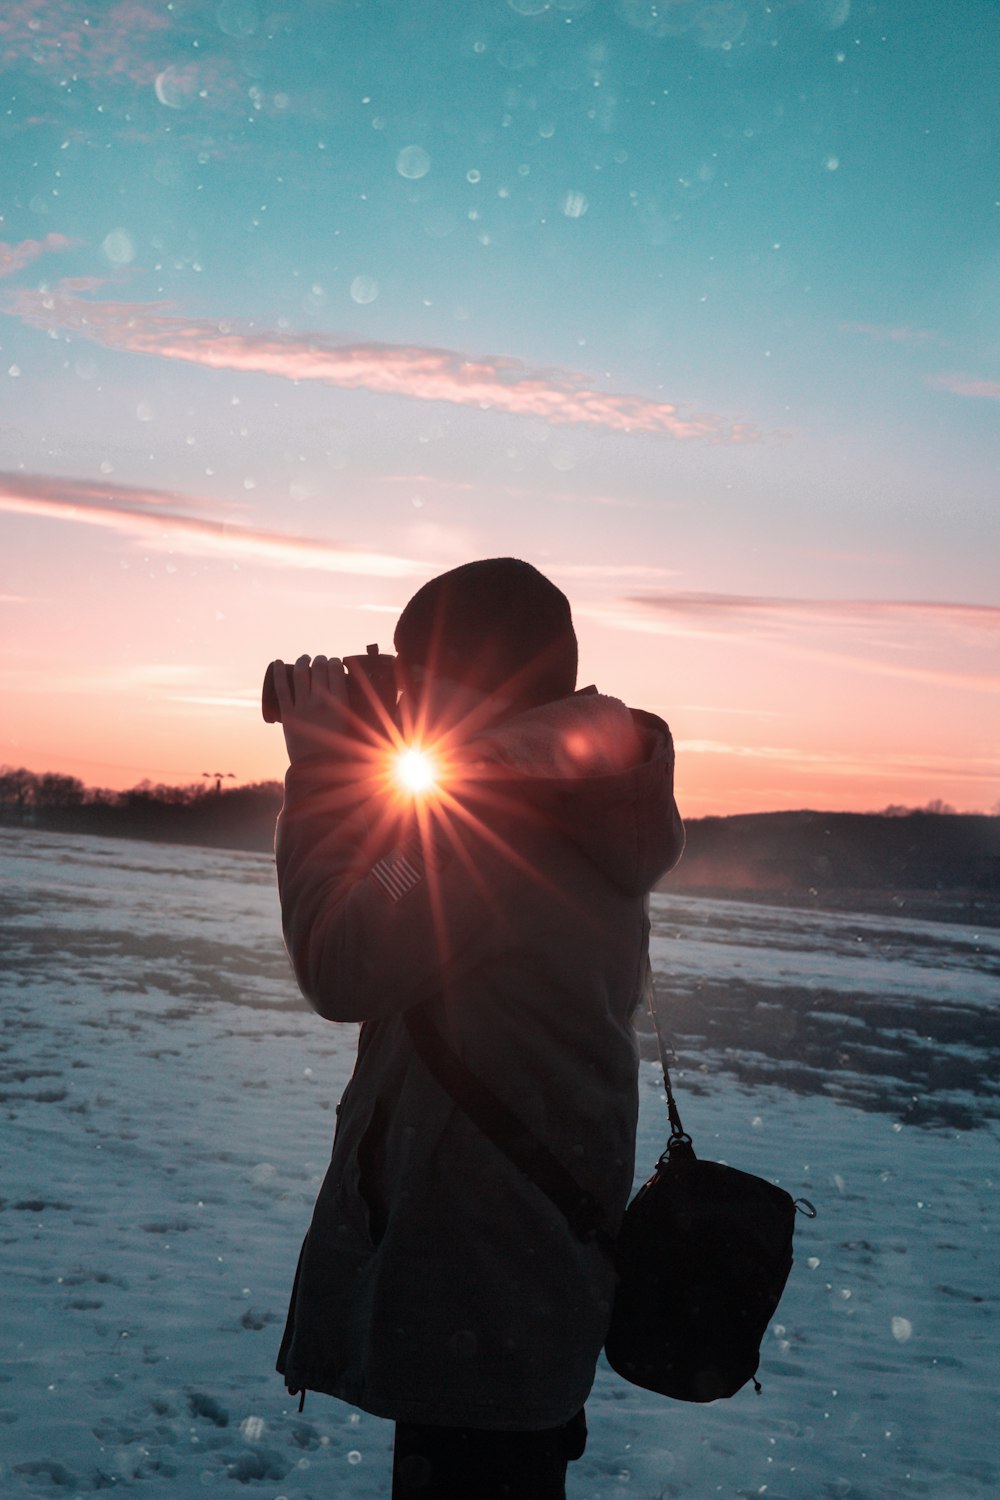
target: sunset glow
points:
(694, 307)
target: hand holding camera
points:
(319, 700)
(311, 703)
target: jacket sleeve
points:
(376, 914)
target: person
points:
(438, 1285)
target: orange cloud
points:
(489, 382)
(15, 257)
(966, 385)
(150, 516)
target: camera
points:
(371, 690)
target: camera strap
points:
(508, 1132)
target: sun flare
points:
(415, 771)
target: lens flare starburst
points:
(415, 770)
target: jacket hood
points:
(603, 773)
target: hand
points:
(314, 710)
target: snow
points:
(167, 1105)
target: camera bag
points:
(702, 1254)
(702, 1258)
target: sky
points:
(695, 306)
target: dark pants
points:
(467, 1463)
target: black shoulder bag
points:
(702, 1254)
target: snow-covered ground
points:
(167, 1106)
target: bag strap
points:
(505, 1129)
(679, 1138)
(679, 1144)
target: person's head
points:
(497, 627)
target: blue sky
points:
(695, 305)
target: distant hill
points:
(818, 854)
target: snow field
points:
(167, 1107)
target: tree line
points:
(240, 817)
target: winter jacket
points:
(437, 1284)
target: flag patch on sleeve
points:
(399, 873)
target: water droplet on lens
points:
(364, 289)
(176, 86)
(413, 162)
(118, 247)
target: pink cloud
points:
(127, 42)
(486, 382)
(14, 258)
(151, 516)
(85, 492)
(966, 385)
(105, 44)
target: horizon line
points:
(934, 807)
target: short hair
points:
(498, 625)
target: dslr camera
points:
(371, 690)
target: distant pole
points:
(218, 778)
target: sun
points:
(415, 770)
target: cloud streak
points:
(741, 609)
(903, 639)
(889, 333)
(152, 517)
(485, 382)
(966, 385)
(873, 766)
(14, 258)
